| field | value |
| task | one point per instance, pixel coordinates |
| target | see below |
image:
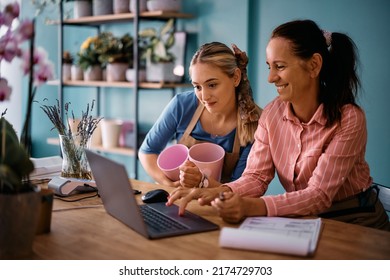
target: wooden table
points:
(83, 230)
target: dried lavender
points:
(75, 164)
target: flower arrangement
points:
(10, 48)
(114, 49)
(88, 55)
(105, 48)
(75, 164)
(15, 164)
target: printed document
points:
(274, 234)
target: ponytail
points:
(341, 84)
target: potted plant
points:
(88, 58)
(19, 200)
(67, 62)
(116, 54)
(156, 46)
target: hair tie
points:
(328, 37)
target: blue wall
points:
(248, 24)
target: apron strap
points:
(193, 122)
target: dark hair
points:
(339, 81)
(221, 56)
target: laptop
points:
(119, 201)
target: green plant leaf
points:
(170, 41)
(159, 49)
(167, 27)
(149, 32)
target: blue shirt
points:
(173, 122)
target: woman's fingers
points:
(229, 207)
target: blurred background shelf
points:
(144, 85)
(116, 150)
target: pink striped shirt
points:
(315, 164)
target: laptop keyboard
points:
(158, 221)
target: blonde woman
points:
(219, 110)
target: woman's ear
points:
(237, 77)
(315, 65)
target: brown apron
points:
(230, 159)
(363, 209)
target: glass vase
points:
(74, 159)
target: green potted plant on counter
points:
(19, 200)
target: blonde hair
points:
(221, 56)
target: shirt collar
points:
(317, 117)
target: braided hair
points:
(221, 56)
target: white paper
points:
(274, 234)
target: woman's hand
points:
(190, 175)
(230, 207)
(204, 196)
(149, 162)
(233, 208)
(170, 183)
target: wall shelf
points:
(116, 150)
(96, 22)
(144, 85)
(125, 17)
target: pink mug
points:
(170, 159)
(208, 157)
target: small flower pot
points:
(93, 73)
(82, 8)
(111, 130)
(116, 72)
(164, 5)
(102, 7)
(161, 72)
(18, 224)
(66, 71)
(141, 5)
(130, 75)
(77, 74)
(121, 6)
